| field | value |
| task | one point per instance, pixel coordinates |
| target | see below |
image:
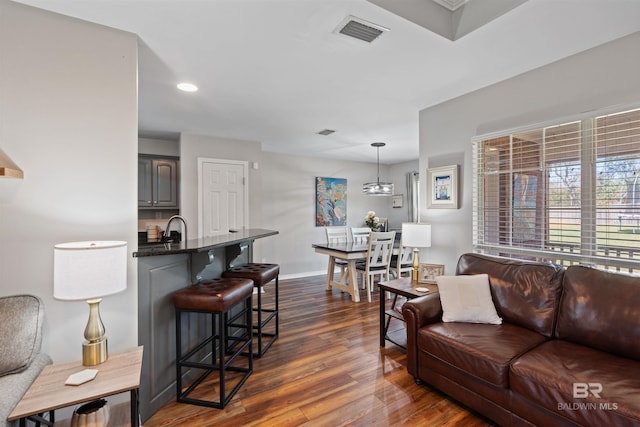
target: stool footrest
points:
(266, 320)
(266, 345)
(188, 355)
(237, 316)
(184, 397)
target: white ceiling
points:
(275, 71)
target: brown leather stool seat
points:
(229, 302)
(261, 274)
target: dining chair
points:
(338, 235)
(377, 262)
(360, 234)
(403, 262)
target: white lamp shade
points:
(415, 235)
(86, 270)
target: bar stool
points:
(228, 301)
(261, 274)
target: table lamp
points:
(416, 236)
(89, 271)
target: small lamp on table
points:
(89, 271)
(416, 236)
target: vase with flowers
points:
(372, 221)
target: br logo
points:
(582, 390)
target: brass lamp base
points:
(94, 353)
(415, 273)
(94, 349)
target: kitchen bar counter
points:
(163, 270)
(204, 244)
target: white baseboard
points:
(306, 274)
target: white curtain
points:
(413, 193)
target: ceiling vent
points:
(326, 132)
(360, 29)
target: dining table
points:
(349, 252)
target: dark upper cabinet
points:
(157, 182)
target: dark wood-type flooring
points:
(326, 369)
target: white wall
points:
(68, 118)
(601, 77)
(288, 205)
(193, 147)
(282, 197)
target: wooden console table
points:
(120, 373)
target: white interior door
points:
(222, 196)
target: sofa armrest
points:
(417, 313)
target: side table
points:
(405, 287)
(120, 373)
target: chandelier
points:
(378, 188)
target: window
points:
(568, 193)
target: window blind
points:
(568, 193)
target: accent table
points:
(120, 373)
(405, 287)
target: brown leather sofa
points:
(567, 352)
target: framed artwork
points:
(428, 273)
(442, 187)
(331, 201)
(396, 200)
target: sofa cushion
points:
(482, 350)
(601, 309)
(524, 293)
(20, 331)
(546, 375)
(467, 299)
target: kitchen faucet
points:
(166, 232)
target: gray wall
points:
(602, 77)
(68, 118)
(288, 205)
(158, 147)
(398, 175)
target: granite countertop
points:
(204, 244)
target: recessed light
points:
(187, 87)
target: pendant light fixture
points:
(378, 188)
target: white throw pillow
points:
(467, 299)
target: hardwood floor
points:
(326, 369)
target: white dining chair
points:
(378, 260)
(360, 234)
(403, 262)
(338, 235)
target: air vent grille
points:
(360, 29)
